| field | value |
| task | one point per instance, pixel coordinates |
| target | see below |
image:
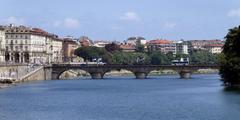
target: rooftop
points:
(160, 41)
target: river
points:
(121, 98)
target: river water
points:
(124, 98)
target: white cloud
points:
(13, 20)
(69, 23)
(130, 16)
(170, 25)
(234, 13)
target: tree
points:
(170, 56)
(140, 48)
(130, 58)
(158, 58)
(112, 47)
(91, 52)
(230, 62)
(203, 57)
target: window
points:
(16, 48)
(26, 48)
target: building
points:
(31, 45)
(200, 44)
(128, 47)
(53, 46)
(69, 46)
(165, 46)
(214, 48)
(2, 45)
(101, 43)
(182, 47)
(85, 41)
(57, 48)
(136, 40)
(24, 45)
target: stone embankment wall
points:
(8, 72)
(35, 75)
(21, 73)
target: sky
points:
(120, 19)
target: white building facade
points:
(215, 49)
(182, 47)
(29, 45)
(2, 45)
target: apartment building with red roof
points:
(165, 46)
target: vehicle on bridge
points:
(182, 61)
(85, 64)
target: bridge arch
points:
(140, 73)
(119, 72)
(56, 73)
(95, 73)
(71, 74)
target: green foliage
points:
(178, 56)
(170, 56)
(112, 54)
(90, 53)
(203, 57)
(230, 61)
(158, 58)
(112, 47)
(130, 58)
(140, 48)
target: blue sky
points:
(118, 20)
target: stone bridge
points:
(54, 71)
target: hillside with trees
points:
(112, 54)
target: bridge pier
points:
(185, 74)
(97, 75)
(140, 75)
